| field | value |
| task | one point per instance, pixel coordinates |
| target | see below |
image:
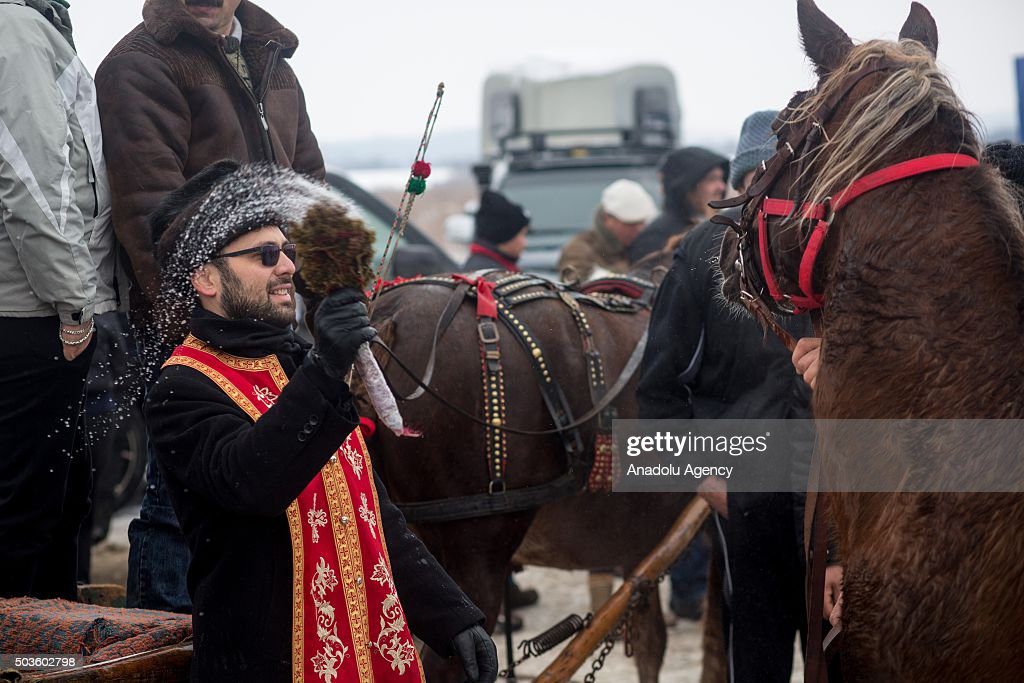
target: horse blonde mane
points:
(878, 125)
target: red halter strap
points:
(825, 212)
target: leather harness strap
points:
(447, 316)
(600, 467)
(486, 504)
(554, 398)
(632, 365)
(495, 440)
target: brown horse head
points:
(875, 104)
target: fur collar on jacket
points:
(165, 20)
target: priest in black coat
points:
(231, 478)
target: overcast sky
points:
(370, 68)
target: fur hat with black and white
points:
(216, 206)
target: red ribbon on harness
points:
(486, 306)
(825, 212)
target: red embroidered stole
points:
(347, 622)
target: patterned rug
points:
(31, 626)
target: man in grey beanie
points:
(757, 144)
(704, 362)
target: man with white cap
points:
(625, 209)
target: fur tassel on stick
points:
(335, 250)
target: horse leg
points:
(649, 637)
(714, 668)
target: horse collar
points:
(824, 213)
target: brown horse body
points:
(584, 531)
(922, 318)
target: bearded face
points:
(272, 302)
(250, 278)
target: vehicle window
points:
(558, 200)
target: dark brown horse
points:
(584, 531)
(922, 289)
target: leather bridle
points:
(798, 141)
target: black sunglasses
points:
(270, 254)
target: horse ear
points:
(824, 42)
(920, 26)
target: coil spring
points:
(555, 635)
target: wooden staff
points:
(652, 566)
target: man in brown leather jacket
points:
(197, 81)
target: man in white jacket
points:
(57, 263)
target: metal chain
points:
(624, 628)
(504, 672)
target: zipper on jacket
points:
(267, 144)
(92, 183)
(268, 71)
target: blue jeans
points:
(158, 556)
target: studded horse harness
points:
(496, 298)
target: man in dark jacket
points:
(704, 361)
(499, 236)
(197, 81)
(690, 178)
(293, 575)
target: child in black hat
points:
(500, 235)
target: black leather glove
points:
(341, 326)
(478, 654)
